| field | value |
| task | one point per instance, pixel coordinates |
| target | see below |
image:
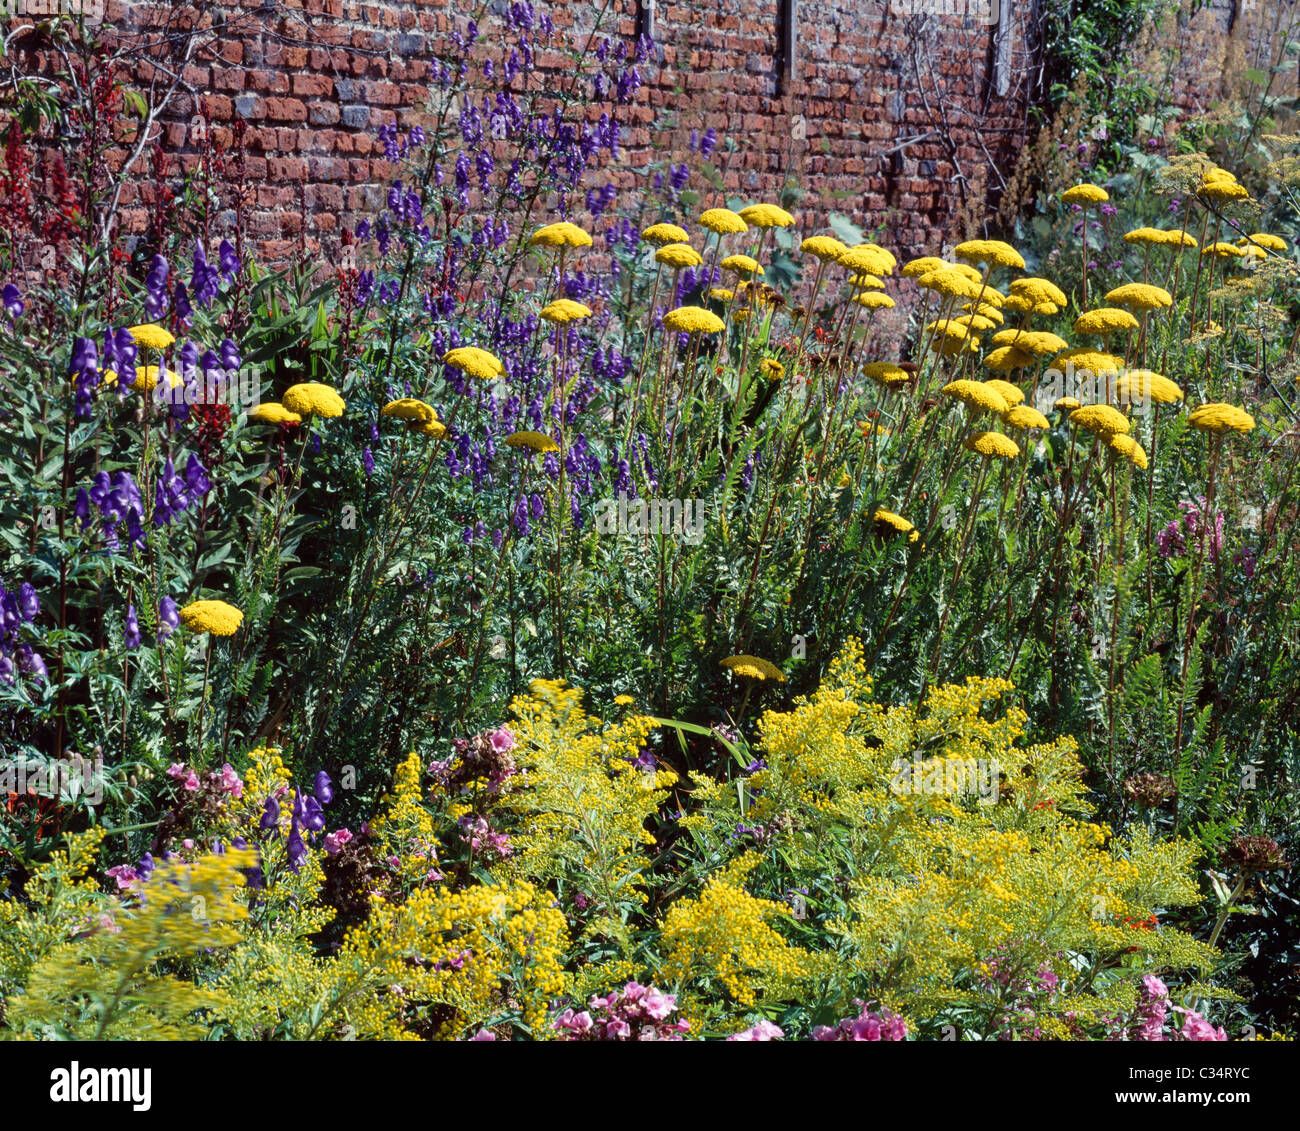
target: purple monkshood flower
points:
(12, 301)
(368, 461)
(323, 788)
(230, 265)
(313, 817)
(132, 628)
(155, 302)
(206, 280)
(297, 849)
(168, 618)
(28, 603)
(270, 815)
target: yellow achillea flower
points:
(1219, 418)
(434, 428)
(996, 253)
(152, 336)
(678, 256)
(664, 233)
(881, 251)
(1009, 392)
(822, 247)
(866, 260)
(915, 268)
(1025, 305)
(148, 376)
(693, 320)
(1022, 416)
(875, 300)
(409, 408)
(1090, 361)
(474, 362)
(990, 444)
(1144, 384)
(273, 413)
(976, 394)
(215, 617)
(1038, 290)
(1145, 235)
(564, 310)
(886, 372)
(966, 269)
(1131, 450)
(1066, 404)
(1140, 296)
(1085, 194)
(1221, 191)
(1038, 342)
(1223, 250)
(772, 369)
(986, 309)
(1101, 419)
(1006, 358)
(623, 700)
(311, 398)
(742, 265)
(1105, 320)
(753, 667)
(1178, 238)
(1264, 240)
(561, 234)
(766, 216)
(950, 283)
(537, 441)
(948, 327)
(722, 221)
(889, 521)
(866, 282)
(721, 294)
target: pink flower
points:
(124, 876)
(192, 782)
(1196, 1028)
(658, 1005)
(176, 770)
(501, 740)
(335, 841)
(617, 1030)
(231, 781)
(106, 923)
(759, 1031)
(484, 1035)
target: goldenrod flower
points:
(1085, 194)
(1009, 392)
(1101, 420)
(889, 521)
(473, 362)
(561, 234)
(1038, 290)
(993, 444)
(915, 268)
(1131, 450)
(693, 320)
(1022, 416)
(1144, 384)
(409, 408)
(273, 413)
(664, 233)
(564, 310)
(311, 398)
(151, 335)
(753, 667)
(722, 221)
(822, 247)
(766, 216)
(678, 256)
(772, 369)
(1006, 358)
(1219, 418)
(874, 300)
(537, 441)
(1105, 320)
(742, 265)
(215, 617)
(886, 372)
(996, 253)
(976, 394)
(1140, 296)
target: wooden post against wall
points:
(645, 19)
(788, 44)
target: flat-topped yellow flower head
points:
(215, 617)
(874, 300)
(890, 523)
(1262, 240)
(742, 265)
(1022, 416)
(866, 259)
(693, 320)
(915, 268)
(722, 221)
(753, 667)
(559, 235)
(273, 413)
(995, 253)
(678, 256)
(311, 398)
(1101, 420)
(147, 378)
(564, 310)
(1140, 296)
(1130, 449)
(977, 395)
(1220, 418)
(822, 247)
(766, 216)
(1105, 320)
(1085, 194)
(1142, 385)
(474, 362)
(1038, 290)
(535, 441)
(152, 336)
(1009, 392)
(992, 444)
(1006, 358)
(661, 234)
(886, 372)
(950, 283)
(409, 408)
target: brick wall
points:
(314, 80)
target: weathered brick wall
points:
(315, 79)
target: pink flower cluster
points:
(478, 834)
(634, 1013)
(1153, 1009)
(759, 1031)
(1191, 528)
(225, 779)
(867, 1026)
